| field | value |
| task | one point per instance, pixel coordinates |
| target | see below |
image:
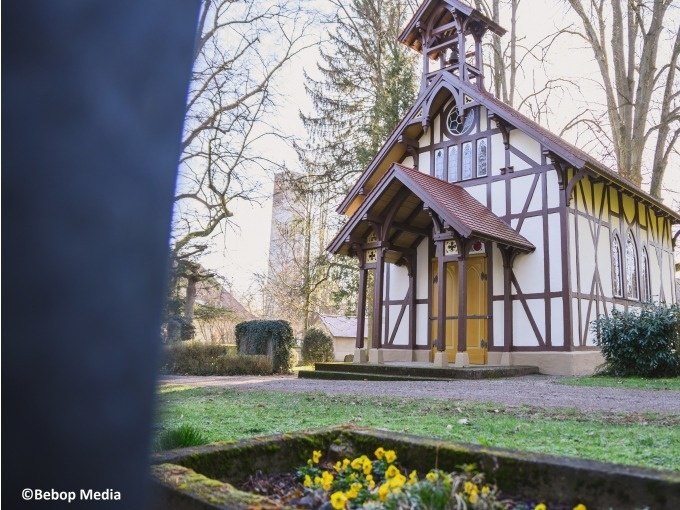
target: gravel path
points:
(534, 390)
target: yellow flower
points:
(380, 453)
(308, 481)
(469, 487)
(345, 463)
(390, 456)
(473, 497)
(316, 456)
(368, 467)
(338, 466)
(580, 506)
(371, 484)
(413, 477)
(353, 491)
(326, 480)
(338, 500)
(541, 506)
(432, 476)
(398, 481)
(383, 491)
(358, 463)
(391, 472)
(485, 490)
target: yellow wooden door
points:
(451, 334)
(477, 310)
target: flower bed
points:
(357, 468)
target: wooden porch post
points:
(462, 300)
(412, 271)
(361, 309)
(378, 300)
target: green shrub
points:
(264, 337)
(644, 343)
(317, 347)
(180, 437)
(195, 358)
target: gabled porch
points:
(428, 228)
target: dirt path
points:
(534, 390)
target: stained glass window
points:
(439, 163)
(481, 157)
(644, 276)
(616, 266)
(467, 160)
(632, 289)
(453, 163)
(460, 124)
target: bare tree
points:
(240, 48)
(642, 106)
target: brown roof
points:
(451, 202)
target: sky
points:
(242, 252)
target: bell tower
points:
(448, 34)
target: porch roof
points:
(403, 193)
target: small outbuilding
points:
(343, 331)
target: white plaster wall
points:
(522, 333)
(401, 337)
(537, 308)
(498, 324)
(604, 261)
(478, 192)
(498, 198)
(572, 251)
(483, 120)
(555, 252)
(408, 161)
(497, 154)
(586, 254)
(666, 277)
(422, 270)
(537, 197)
(553, 189)
(398, 281)
(519, 190)
(556, 322)
(575, 324)
(654, 272)
(528, 268)
(516, 162)
(343, 346)
(425, 139)
(527, 145)
(421, 324)
(424, 162)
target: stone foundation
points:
(551, 363)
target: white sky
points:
(243, 250)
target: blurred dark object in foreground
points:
(93, 103)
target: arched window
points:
(644, 276)
(617, 266)
(632, 286)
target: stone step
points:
(356, 376)
(422, 370)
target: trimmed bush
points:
(181, 437)
(317, 347)
(643, 343)
(271, 338)
(195, 358)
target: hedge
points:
(196, 358)
(643, 343)
(267, 337)
(317, 347)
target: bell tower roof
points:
(438, 14)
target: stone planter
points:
(200, 477)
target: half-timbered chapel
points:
(482, 237)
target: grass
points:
(229, 414)
(641, 383)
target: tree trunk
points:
(190, 299)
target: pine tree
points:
(367, 81)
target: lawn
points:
(671, 383)
(229, 414)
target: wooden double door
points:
(477, 309)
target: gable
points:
(423, 120)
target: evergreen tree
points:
(367, 81)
